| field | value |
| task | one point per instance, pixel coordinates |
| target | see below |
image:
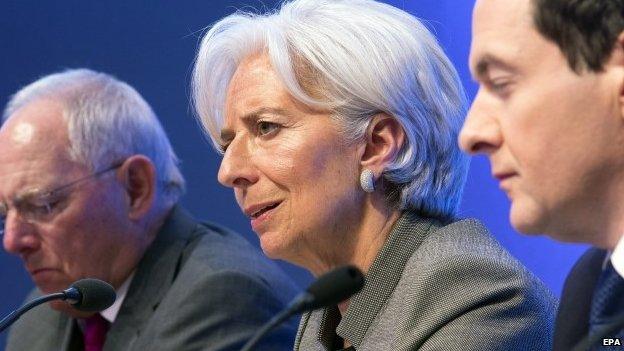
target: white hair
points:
(107, 121)
(355, 58)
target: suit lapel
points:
(385, 272)
(573, 314)
(155, 273)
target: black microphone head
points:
(95, 295)
(334, 287)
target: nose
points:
(481, 131)
(19, 236)
(237, 169)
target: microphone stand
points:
(294, 307)
(13, 316)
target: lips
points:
(503, 175)
(261, 214)
(258, 210)
(39, 271)
(46, 279)
(263, 210)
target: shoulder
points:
(464, 252)
(216, 311)
(467, 246)
(461, 279)
(48, 325)
(222, 291)
(573, 315)
(218, 253)
(583, 276)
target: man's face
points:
(554, 137)
(86, 233)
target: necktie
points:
(95, 333)
(607, 303)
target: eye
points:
(266, 128)
(36, 211)
(39, 208)
(500, 86)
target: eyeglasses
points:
(39, 206)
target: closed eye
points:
(500, 87)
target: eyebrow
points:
(32, 193)
(486, 62)
(228, 134)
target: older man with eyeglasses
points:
(89, 189)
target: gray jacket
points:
(439, 287)
(198, 287)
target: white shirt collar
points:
(617, 257)
(110, 314)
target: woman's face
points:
(292, 172)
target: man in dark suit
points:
(89, 189)
(549, 114)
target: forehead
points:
(503, 30)
(254, 83)
(34, 146)
(255, 86)
(254, 68)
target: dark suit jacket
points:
(437, 286)
(573, 316)
(198, 287)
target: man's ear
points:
(383, 140)
(138, 176)
(615, 66)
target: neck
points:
(144, 234)
(602, 226)
(371, 237)
(368, 243)
(355, 243)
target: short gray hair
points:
(107, 121)
(355, 58)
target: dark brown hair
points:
(584, 30)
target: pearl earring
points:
(367, 180)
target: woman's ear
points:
(138, 176)
(384, 138)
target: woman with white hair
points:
(338, 120)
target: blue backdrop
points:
(151, 45)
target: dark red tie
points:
(95, 333)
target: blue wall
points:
(151, 45)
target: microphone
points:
(330, 289)
(89, 295)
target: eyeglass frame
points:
(47, 195)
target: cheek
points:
(295, 162)
(85, 231)
(322, 167)
(531, 128)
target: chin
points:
(50, 287)
(271, 246)
(67, 309)
(526, 219)
(277, 247)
